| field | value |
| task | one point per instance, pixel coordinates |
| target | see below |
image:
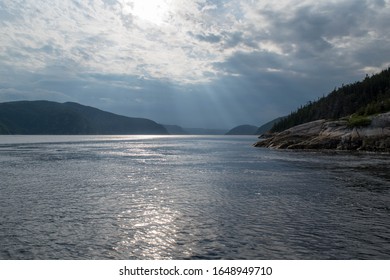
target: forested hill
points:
(45, 117)
(363, 98)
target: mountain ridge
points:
(267, 126)
(69, 118)
(244, 129)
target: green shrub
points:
(358, 121)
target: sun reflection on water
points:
(149, 231)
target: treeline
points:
(363, 98)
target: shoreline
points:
(333, 135)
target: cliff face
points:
(338, 135)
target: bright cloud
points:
(144, 38)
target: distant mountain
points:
(267, 126)
(243, 130)
(175, 129)
(362, 99)
(205, 131)
(45, 117)
(178, 130)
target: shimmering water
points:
(150, 197)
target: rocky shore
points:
(337, 135)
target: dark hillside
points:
(45, 117)
(367, 97)
(243, 130)
(267, 126)
(175, 129)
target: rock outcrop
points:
(337, 135)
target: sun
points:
(151, 11)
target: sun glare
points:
(152, 11)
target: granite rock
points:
(323, 134)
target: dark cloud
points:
(253, 63)
(311, 28)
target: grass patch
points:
(358, 121)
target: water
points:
(188, 197)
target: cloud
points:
(255, 59)
(12, 94)
(210, 38)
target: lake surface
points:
(188, 197)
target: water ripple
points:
(189, 198)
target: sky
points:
(193, 63)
